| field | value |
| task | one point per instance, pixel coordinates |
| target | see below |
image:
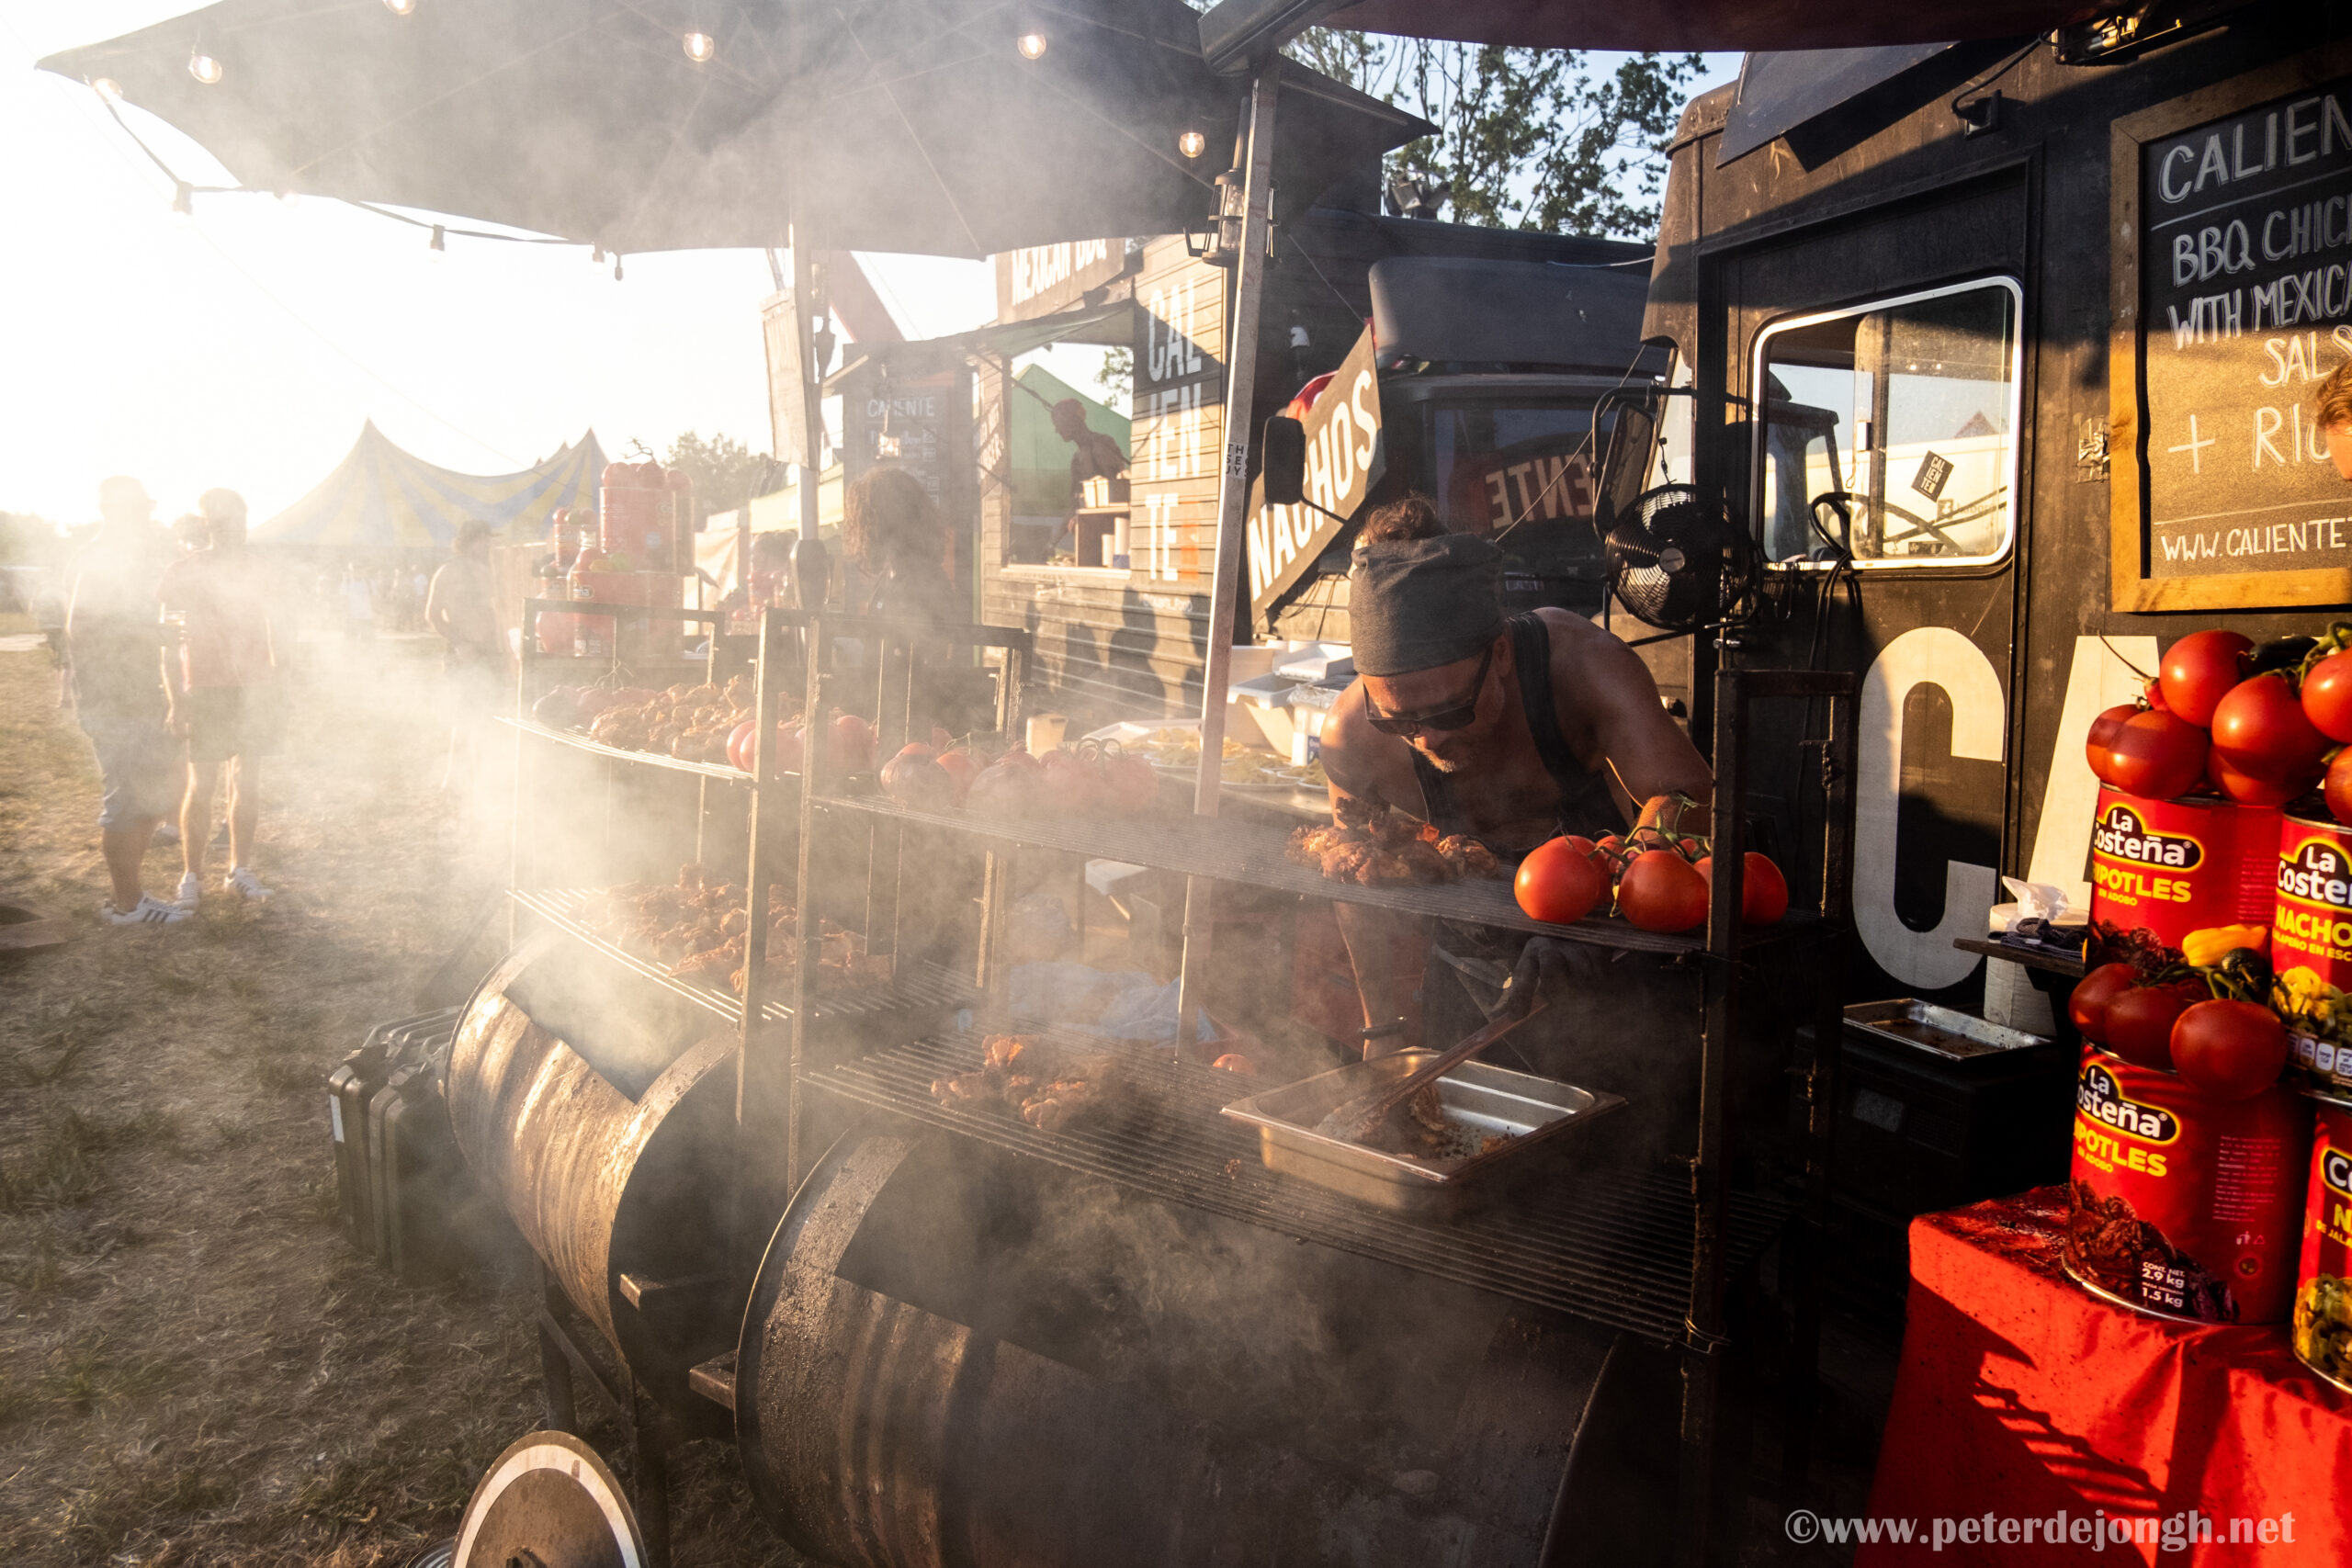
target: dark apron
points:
(1624, 1021)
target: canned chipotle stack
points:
(2191, 1162)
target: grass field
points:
(194, 1367)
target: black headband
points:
(1418, 603)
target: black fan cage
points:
(1678, 563)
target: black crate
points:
(1918, 1133)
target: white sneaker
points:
(148, 911)
(189, 887)
(242, 882)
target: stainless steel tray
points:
(1490, 1098)
(1941, 1031)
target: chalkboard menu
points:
(2236, 252)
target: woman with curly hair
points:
(899, 542)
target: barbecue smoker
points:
(967, 1340)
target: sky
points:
(246, 347)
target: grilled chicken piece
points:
(1470, 858)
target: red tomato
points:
(2338, 786)
(2152, 695)
(1763, 891)
(1019, 757)
(2229, 1050)
(2327, 696)
(2259, 729)
(2156, 756)
(961, 767)
(2093, 992)
(739, 745)
(1234, 1062)
(2247, 790)
(914, 777)
(2139, 1023)
(1662, 892)
(2101, 738)
(2199, 670)
(852, 750)
(1558, 883)
(2103, 731)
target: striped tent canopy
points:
(381, 497)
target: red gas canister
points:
(2323, 1323)
(2184, 1206)
(2170, 867)
(2310, 947)
(636, 514)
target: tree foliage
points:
(725, 472)
(1526, 138)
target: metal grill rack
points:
(1615, 1251)
(1229, 850)
(579, 740)
(928, 986)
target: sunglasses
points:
(1458, 717)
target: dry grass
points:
(194, 1367)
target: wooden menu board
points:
(2232, 301)
(1179, 418)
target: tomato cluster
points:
(1659, 881)
(2260, 725)
(2196, 1022)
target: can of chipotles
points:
(2310, 947)
(2184, 1206)
(2322, 1330)
(2169, 867)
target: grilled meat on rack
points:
(1372, 845)
(1021, 1075)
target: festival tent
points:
(380, 498)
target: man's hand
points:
(1543, 965)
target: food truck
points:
(2003, 353)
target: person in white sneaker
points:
(111, 640)
(224, 694)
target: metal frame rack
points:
(1653, 1256)
(774, 805)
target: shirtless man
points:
(1509, 729)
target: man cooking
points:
(1510, 730)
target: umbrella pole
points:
(1232, 503)
(809, 563)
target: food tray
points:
(1947, 1033)
(1488, 1098)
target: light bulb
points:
(401, 8)
(108, 89)
(438, 247)
(182, 201)
(1031, 44)
(700, 47)
(617, 266)
(1191, 142)
(204, 68)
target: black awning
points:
(1781, 90)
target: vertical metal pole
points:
(1704, 1343)
(1232, 503)
(755, 1093)
(808, 932)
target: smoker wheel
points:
(549, 1501)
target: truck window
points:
(1492, 464)
(1889, 430)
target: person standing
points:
(459, 608)
(359, 605)
(111, 641)
(223, 691)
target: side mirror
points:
(1284, 448)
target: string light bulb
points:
(1191, 142)
(182, 200)
(1031, 43)
(700, 47)
(617, 266)
(108, 89)
(203, 67)
(438, 246)
(401, 8)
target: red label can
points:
(2310, 947)
(2323, 1331)
(2169, 867)
(2183, 1206)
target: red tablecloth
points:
(2020, 1395)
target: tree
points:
(725, 472)
(1526, 138)
(1117, 377)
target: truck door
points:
(1875, 370)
